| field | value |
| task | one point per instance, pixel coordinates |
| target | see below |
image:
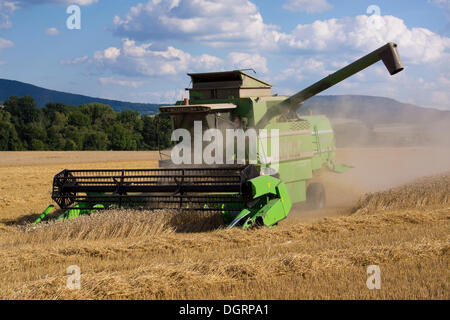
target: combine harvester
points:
(245, 194)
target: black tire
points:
(315, 196)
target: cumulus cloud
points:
(140, 60)
(324, 46)
(308, 67)
(6, 9)
(426, 85)
(74, 61)
(445, 6)
(240, 60)
(23, 3)
(215, 22)
(5, 44)
(239, 22)
(309, 6)
(168, 96)
(52, 31)
(132, 59)
(417, 45)
(118, 82)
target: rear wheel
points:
(315, 196)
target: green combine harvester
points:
(247, 194)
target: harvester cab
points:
(254, 187)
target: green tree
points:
(131, 120)
(149, 133)
(95, 140)
(70, 145)
(74, 134)
(121, 138)
(51, 109)
(9, 139)
(34, 131)
(101, 115)
(23, 110)
(79, 119)
(56, 142)
(92, 126)
(164, 131)
(37, 144)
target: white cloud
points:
(81, 2)
(444, 4)
(325, 46)
(74, 61)
(109, 55)
(239, 60)
(134, 59)
(239, 23)
(52, 31)
(207, 62)
(416, 45)
(305, 67)
(6, 9)
(215, 22)
(118, 82)
(24, 3)
(168, 96)
(427, 85)
(309, 6)
(5, 44)
(140, 60)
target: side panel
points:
(295, 141)
(322, 141)
(296, 154)
(295, 170)
(297, 191)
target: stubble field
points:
(167, 255)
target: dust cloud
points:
(375, 169)
(387, 143)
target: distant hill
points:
(372, 110)
(367, 109)
(378, 121)
(42, 96)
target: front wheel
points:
(315, 196)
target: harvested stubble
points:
(116, 224)
(424, 192)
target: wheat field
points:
(399, 223)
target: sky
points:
(140, 51)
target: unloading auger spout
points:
(387, 53)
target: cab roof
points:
(239, 77)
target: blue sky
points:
(140, 51)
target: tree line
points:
(92, 126)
